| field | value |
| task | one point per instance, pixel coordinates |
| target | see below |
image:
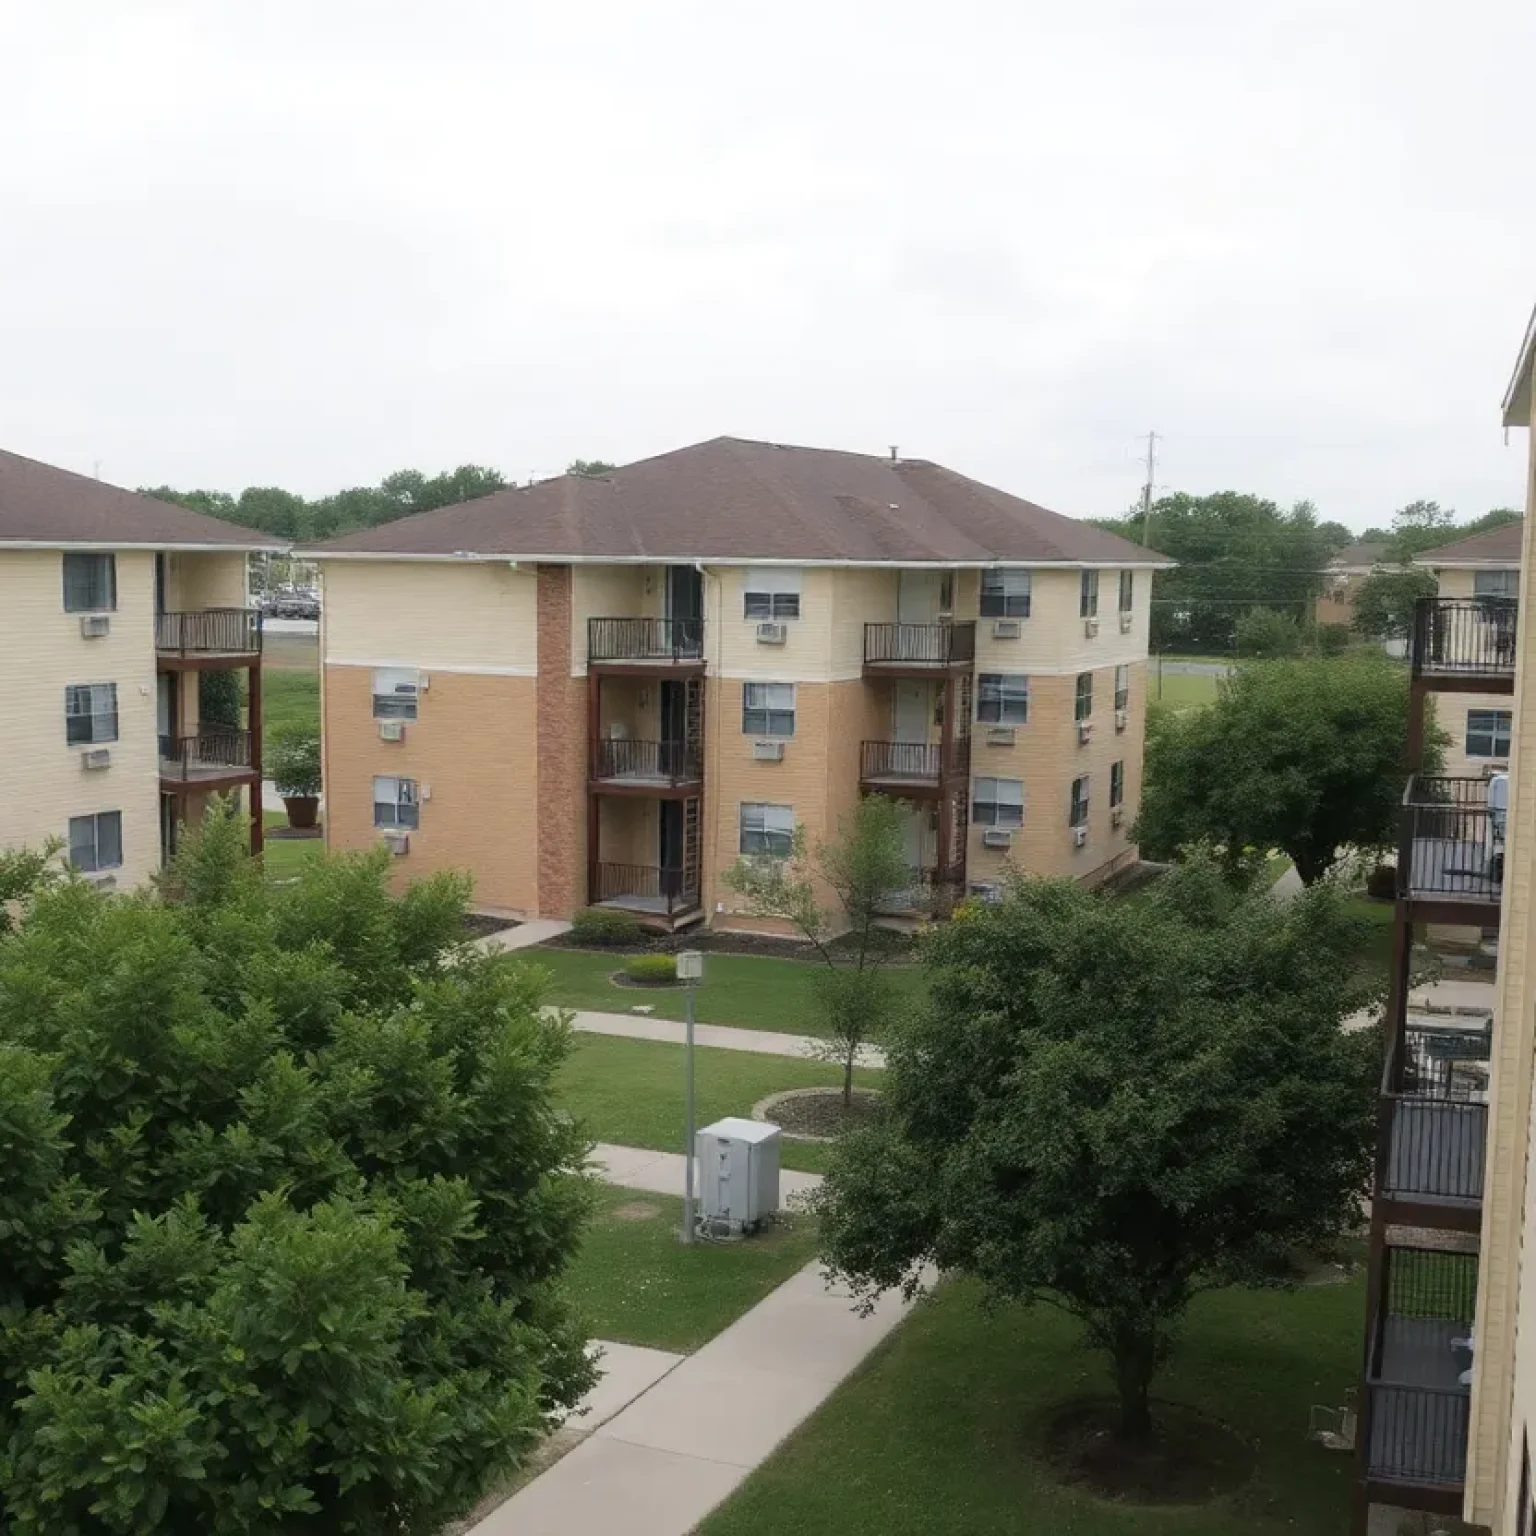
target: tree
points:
(1383, 607)
(285, 1206)
(1304, 755)
(590, 467)
(1112, 1106)
(1265, 632)
(862, 869)
(1423, 525)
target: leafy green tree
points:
(861, 869)
(590, 467)
(1265, 632)
(1112, 1106)
(219, 699)
(285, 1206)
(1304, 755)
(1423, 525)
(1384, 600)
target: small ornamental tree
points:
(285, 1205)
(1384, 601)
(1111, 1106)
(862, 869)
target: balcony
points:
(1466, 642)
(1451, 849)
(208, 635)
(646, 645)
(1418, 1376)
(926, 894)
(646, 767)
(216, 755)
(644, 889)
(903, 768)
(1436, 1090)
(897, 650)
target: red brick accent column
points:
(561, 752)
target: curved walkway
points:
(764, 1042)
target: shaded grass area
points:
(289, 701)
(631, 1091)
(749, 992)
(941, 1429)
(637, 1284)
(1181, 690)
(1377, 952)
(284, 858)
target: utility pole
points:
(1146, 490)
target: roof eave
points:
(1517, 398)
(472, 557)
(173, 546)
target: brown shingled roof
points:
(1496, 546)
(1367, 552)
(43, 505)
(735, 500)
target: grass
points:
(637, 1284)
(1181, 690)
(938, 1430)
(1377, 953)
(631, 1091)
(289, 701)
(750, 992)
(283, 858)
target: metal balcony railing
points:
(645, 640)
(209, 631)
(913, 762)
(641, 762)
(1451, 845)
(1436, 1087)
(1464, 636)
(664, 891)
(943, 643)
(215, 752)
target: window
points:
(1005, 594)
(1496, 584)
(90, 583)
(1117, 783)
(768, 709)
(1002, 698)
(1122, 687)
(1127, 590)
(1084, 695)
(90, 713)
(771, 592)
(395, 693)
(1088, 596)
(998, 803)
(96, 842)
(768, 829)
(1488, 732)
(1077, 811)
(395, 803)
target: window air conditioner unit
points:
(1122, 716)
(1492, 770)
(97, 757)
(1079, 836)
(391, 730)
(997, 837)
(1000, 736)
(423, 682)
(1090, 627)
(1126, 621)
(985, 890)
(396, 841)
(772, 634)
(94, 625)
(103, 882)
(1084, 730)
(768, 751)
(1116, 815)
(1006, 629)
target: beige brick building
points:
(111, 607)
(606, 690)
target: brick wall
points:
(561, 837)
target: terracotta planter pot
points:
(302, 810)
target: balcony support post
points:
(253, 718)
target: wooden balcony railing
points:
(1464, 636)
(216, 752)
(660, 762)
(943, 643)
(643, 888)
(1435, 1084)
(645, 640)
(1451, 845)
(913, 762)
(209, 631)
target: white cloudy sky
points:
(308, 243)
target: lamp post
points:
(690, 969)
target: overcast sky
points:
(307, 244)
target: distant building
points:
(1341, 580)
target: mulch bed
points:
(477, 924)
(619, 979)
(1189, 1459)
(821, 1112)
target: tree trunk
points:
(853, 1051)
(1309, 866)
(1135, 1358)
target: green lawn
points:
(285, 857)
(289, 700)
(631, 1091)
(747, 991)
(637, 1283)
(1181, 690)
(1377, 953)
(937, 1431)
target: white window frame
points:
(1127, 591)
(765, 830)
(398, 690)
(1123, 686)
(1077, 800)
(1088, 595)
(1082, 699)
(1010, 690)
(1006, 592)
(991, 806)
(93, 862)
(771, 592)
(1117, 783)
(396, 803)
(99, 712)
(767, 701)
(1500, 727)
(103, 573)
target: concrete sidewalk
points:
(764, 1042)
(523, 936)
(662, 1172)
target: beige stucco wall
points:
(612, 592)
(44, 782)
(194, 581)
(1054, 637)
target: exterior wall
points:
(194, 581)
(472, 747)
(1054, 637)
(558, 744)
(1451, 708)
(611, 592)
(731, 641)
(44, 782)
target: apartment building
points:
(1341, 581)
(1449, 1389)
(606, 690)
(112, 605)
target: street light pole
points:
(690, 967)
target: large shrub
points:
(604, 926)
(284, 1208)
(295, 764)
(652, 970)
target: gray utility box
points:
(738, 1174)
